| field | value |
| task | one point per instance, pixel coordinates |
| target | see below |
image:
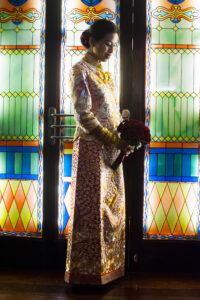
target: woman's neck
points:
(92, 59)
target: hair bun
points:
(85, 36)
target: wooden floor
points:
(29, 285)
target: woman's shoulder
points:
(80, 68)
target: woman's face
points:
(104, 48)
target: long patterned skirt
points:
(96, 243)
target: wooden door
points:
(168, 240)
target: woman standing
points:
(96, 244)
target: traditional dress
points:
(96, 243)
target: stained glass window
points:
(77, 16)
(171, 198)
(21, 116)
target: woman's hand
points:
(127, 149)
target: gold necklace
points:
(105, 76)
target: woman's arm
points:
(83, 104)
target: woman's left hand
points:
(130, 149)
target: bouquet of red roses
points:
(135, 133)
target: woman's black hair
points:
(97, 31)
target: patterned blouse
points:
(95, 102)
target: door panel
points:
(21, 118)
(171, 206)
(77, 16)
(59, 56)
(163, 250)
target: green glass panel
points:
(69, 132)
(15, 73)
(24, 37)
(196, 72)
(161, 165)
(175, 72)
(154, 23)
(8, 26)
(177, 165)
(177, 117)
(165, 116)
(196, 117)
(8, 38)
(2, 162)
(159, 116)
(36, 73)
(67, 121)
(153, 72)
(160, 188)
(183, 37)
(36, 86)
(187, 73)
(172, 217)
(36, 116)
(73, 122)
(185, 187)
(30, 116)
(171, 116)
(184, 24)
(184, 218)
(70, 121)
(12, 117)
(167, 36)
(196, 37)
(1, 115)
(37, 24)
(184, 117)
(194, 165)
(167, 24)
(155, 36)
(160, 217)
(18, 163)
(14, 214)
(0, 30)
(17, 116)
(153, 116)
(34, 163)
(196, 24)
(162, 72)
(36, 37)
(27, 72)
(4, 74)
(190, 117)
(23, 131)
(6, 116)
(26, 26)
(173, 188)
